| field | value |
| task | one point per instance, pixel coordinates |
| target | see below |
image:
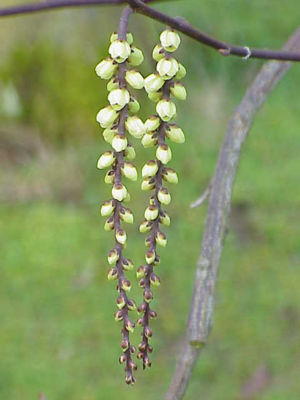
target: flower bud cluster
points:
(161, 86)
(118, 120)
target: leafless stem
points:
(202, 198)
(201, 310)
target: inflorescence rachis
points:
(117, 120)
(160, 86)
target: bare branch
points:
(201, 309)
(223, 47)
(202, 198)
(179, 24)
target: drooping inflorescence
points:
(160, 86)
(118, 119)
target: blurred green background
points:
(57, 332)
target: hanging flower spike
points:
(117, 123)
(160, 86)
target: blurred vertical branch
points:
(202, 305)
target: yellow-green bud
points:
(178, 91)
(130, 326)
(161, 239)
(129, 152)
(145, 226)
(107, 116)
(164, 218)
(164, 196)
(122, 358)
(149, 140)
(163, 153)
(108, 134)
(152, 123)
(112, 84)
(141, 271)
(131, 305)
(109, 224)
(167, 68)
(127, 264)
(115, 36)
(112, 257)
(106, 160)
(154, 279)
(125, 285)
(153, 83)
(119, 316)
(109, 177)
(155, 96)
(170, 40)
(118, 98)
(135, 126)
(126, 215)
(121, 236)
(136, 56)
(148, 184)
(170, 175)
(129, 171)
(150, 168)
(107, 208)
(134, 79)
(158, 52)
(181, 72)
(151, 213)
(175, 133)
(150, 256)
(112, 274)
(106, 68)
(119, 50)
(121, 301)
(119, 143)
(166, 109)
(119, 191)
(133, 106)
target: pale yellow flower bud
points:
(178, 91)
(164, 196)
(119, 50)
(109, 177)
(119, 191)
(167, 68)
(119, 143)
(148, 184)
(129, 171)
(118, 98)
(127, 264)
(151, 213)
(126, 215)
(152, 123)
(107, 208)
(106, 160)
(158, 52)
(129, 152)
(166, 109)
(170, 40)
(121, 236)
(181, 72)
(121, 302)
(113, 84)
(175, 133)
(149, 140)
(150, 168)
(133, 106)
(153, 83)
(129, 37)
(112, 274)
(164, 218)
(130, 327)
(109, 224)
(112, 257)
(163, 153)
(136, 56)
(109, 134)
(155, 96)
(134, 79)
(169, 175)
(107, 116)
(154, 279)
(106, 68)
(150, 256)
(161, 239)
(145, 226)
(135, 126)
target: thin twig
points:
(180, 24)
(201, 309)
(202, 198)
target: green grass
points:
(57, 332)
